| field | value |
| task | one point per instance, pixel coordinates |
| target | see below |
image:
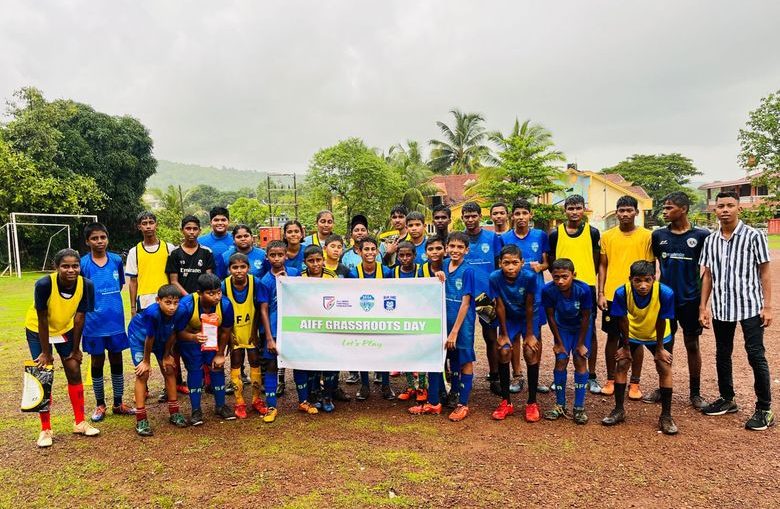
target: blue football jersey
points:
(483, 251)
(108, 317)
(460, 282)
(568, 310)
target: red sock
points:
(140, 414)
(76, 393)
(173, 406)
(45, 420)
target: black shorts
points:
(687, 315)
(609, 324)
(668, 346)
(595, 311)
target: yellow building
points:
(601, 192)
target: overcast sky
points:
(262, 85)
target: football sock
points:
(409, 379)
(434, 384)
(117, 383)
(281, 372)
(695, 382)
(559, 379)
(533, 381)
(466, 381)
(364, 377)
(76, 394)
(385, 378)
(580, 384)
(666, 401)
(206, 376)
(503, 377)
(634, 379)
(45, 419)
(235, 377)
(620, 395)
(454, 376)
(173, 406)
(140, 414)
(422, 381)
(591, 376)
(271, 380)
(331, 382)
(98, 385)
(301, 379)
(494, 376)
(218, 383)
(254, 376)
(195, 383)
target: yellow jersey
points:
(579, 250)
(623, 249)
(151, 268)
(60, 310)
(244, 313)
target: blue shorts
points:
(194, 358)
(517, 331)
(97, 345)
(570, 339)
(137, 350)
(460, 356)
(34, 343)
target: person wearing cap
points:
(358, 230)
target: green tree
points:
(760, 144)
(462, 149)
(65, 138)
(527, 168)
(415, 172)
(170, 211)
(658, 174)
(350, 178)
(248, 211)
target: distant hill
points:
(170, 173)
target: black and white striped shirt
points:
(736, 283)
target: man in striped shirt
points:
(736, 273)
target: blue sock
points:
(580, 384)
(434, 384)
(301, 379)
(195, 384)
(331, 382)
(385, 378)
(466, 381)
(218, 383)
(270, 381)
(118, 386)
(364, 377)
(98, 387)
(559, 379)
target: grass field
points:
(774, 242)
(373, 454)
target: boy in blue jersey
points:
(677, 247)
(568, 303)
(415, 224)
(244, 242)
(390, 239)
(535, 247)
(218, 240)
(358, 230)
(461, 314)
(514, 290)
(276, 252)
(104, 327)
(482, 256)
(192, 341)
(406, 266)
(333, 247)
(369, 268)
(148, 332)
(643, 309)
(434, 251)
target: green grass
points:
(774, 241)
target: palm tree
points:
(462, 150)
(534, 134)
(412, 167)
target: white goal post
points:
(14, 256)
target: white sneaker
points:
(45, 438)
(86, 429)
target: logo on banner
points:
(328, 301)
(367, 302)
(389, 302)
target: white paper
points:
(53, 340)
(211, 337)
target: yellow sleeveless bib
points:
(151, 268)
(194, 323)
(580, 251)
(377, 275)
(641, 321)
(244, 313)
(60, 310)
(397, 271)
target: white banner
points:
(361, 324)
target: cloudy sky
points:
(262, 85)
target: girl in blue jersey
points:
(147, 333)
(568, 303)
(104, 327)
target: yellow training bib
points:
(151, 268)
(194, 323)
(377, 275)
(580, 251)
(61, 310)
(244, 313)
(641, 321)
